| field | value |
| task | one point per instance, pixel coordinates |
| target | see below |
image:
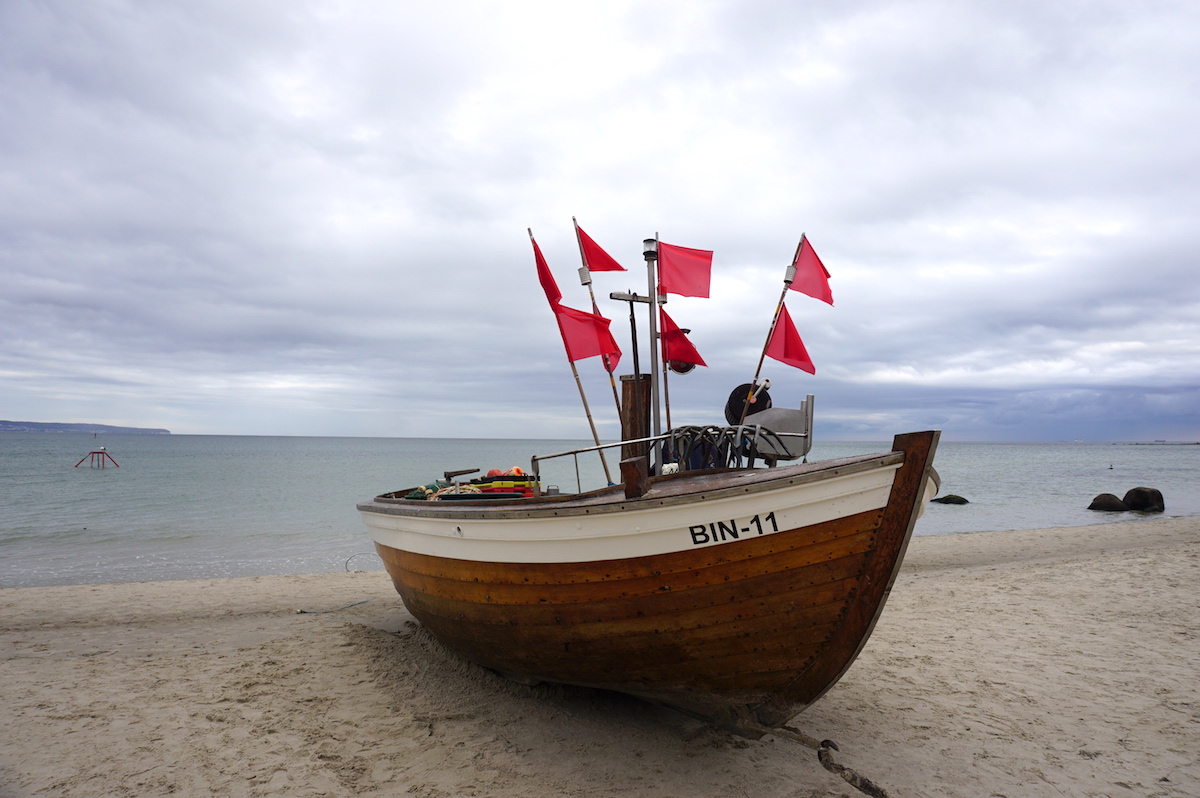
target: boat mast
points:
(650, 251)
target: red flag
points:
(553, 295)
(810, 275)
(676, 346)
(595, 258)
(785, 344)
(684, 271)
(586, 335)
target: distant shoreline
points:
(56, 427)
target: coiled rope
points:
(719, 447)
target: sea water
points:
(200, 506)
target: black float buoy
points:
(737, 401)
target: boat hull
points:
(745, 618)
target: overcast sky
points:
(309, 218)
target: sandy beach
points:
(1037, 663)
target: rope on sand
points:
(861, 783)
(339, 609)
(823, 749)
(361, 554)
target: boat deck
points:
(689, 486)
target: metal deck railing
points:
(693, 448)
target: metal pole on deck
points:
(650, 252)
(667, 395)
(630, 297)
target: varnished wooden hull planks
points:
(764, 612)
(752, 629)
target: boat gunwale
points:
(612, 500)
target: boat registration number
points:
(720, 531)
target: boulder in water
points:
(950, 499)
(1146, 500)
(1108, 503)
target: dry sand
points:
(1038, 663)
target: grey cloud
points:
(228, 218)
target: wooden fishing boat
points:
(732, 593)
(739, 595)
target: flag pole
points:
(666, 383)
(585, 277)
(583, 397)
(650, 251)
(591, 423)
(788, 277)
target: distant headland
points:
(40, 426)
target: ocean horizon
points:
(169, 507)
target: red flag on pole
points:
(810, 277)
(553, 295)
(785, 344)
(594, 257)
(684, 271)
(676, 346)
(586, 335)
